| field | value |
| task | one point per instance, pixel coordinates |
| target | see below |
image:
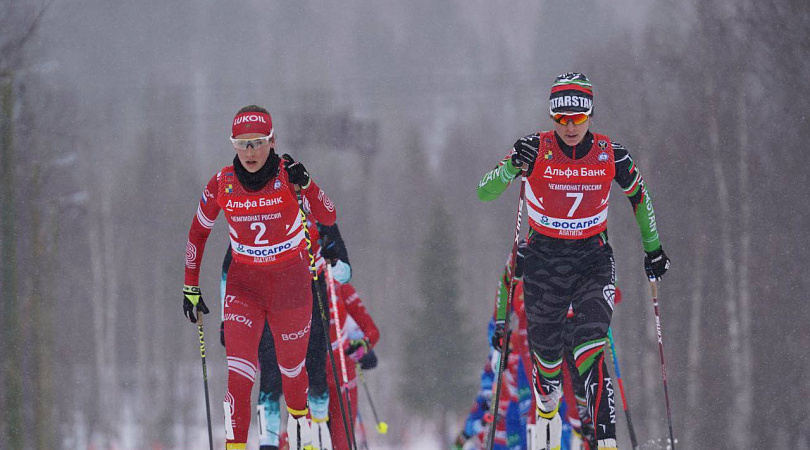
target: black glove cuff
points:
(655, 253)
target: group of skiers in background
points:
(286, 273)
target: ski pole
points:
(505, 346)
(382, 427)
(205, 378)
(615, 358)
(654, 289)
(330, 282)
(362, 427)
(324, 321)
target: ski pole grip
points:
(654, 288)
(199, 318)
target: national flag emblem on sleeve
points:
(229, 189)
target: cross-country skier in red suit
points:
(348, 305)
(269, 277)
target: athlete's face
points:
(253, 158)
(571, 133)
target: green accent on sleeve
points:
(634, 191)
(645, 216)
(501, 299)
(497, 180)
(633, 188)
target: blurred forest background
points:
(113, 115)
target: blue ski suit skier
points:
(568, 263)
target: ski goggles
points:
(563, 119)
(243, 144)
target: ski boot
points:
(269, 423)
(531, 431)
(320, 433)
(299, 433)
(608, 444)
(576, 441)
(547, 434)
(319, 411)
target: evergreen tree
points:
(438, 374)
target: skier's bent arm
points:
(497, 180)
(321, 206)
(358, 311)
(629, 179)
(207, 212)
(334, 249)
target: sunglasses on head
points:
(243, 144)
(563, 119)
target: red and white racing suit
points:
(268, 280)
(349, 305)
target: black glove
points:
(296, 171)
(193, 297)
(222, 333)
(368, 361)
(329, 250)
(656, 264)
(498, 337)
(526, 149)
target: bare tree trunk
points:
(142, 388)
(694, 350)
(109, 384)
(743, 398)
(161, 373)
(11, 327)
(40, 303)
(97, 300)
(735, 432)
